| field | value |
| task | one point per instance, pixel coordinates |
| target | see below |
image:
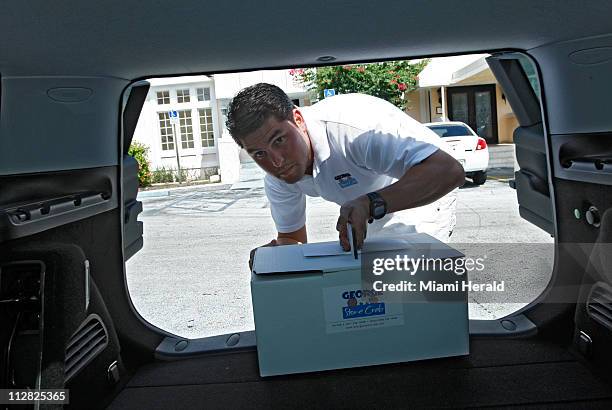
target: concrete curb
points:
(153, 193)
(156, 193)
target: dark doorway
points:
(475, 106)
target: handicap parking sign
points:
(329, 92)
(173, 115)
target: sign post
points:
(173, 115)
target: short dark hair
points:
(252, 106)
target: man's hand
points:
(273, 242)
(357, 212)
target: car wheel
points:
(480, 177)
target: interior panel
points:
(32, 203)
(583, 157)
(40, 132)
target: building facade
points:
(463, 88)
(197, 142)
(191, 141)
(459, 88)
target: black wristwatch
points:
(378, 206)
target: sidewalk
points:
(251, 176)
(167, 189)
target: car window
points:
(450, 130)
(205, 206)
(531, 73)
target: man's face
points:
(281, 148)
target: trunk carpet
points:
(498, 373)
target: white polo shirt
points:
(361, 144)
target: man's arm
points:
(292, 237)
(422, 184)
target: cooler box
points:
(312, 313)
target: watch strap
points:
(376, 200)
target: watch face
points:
(378, 206)
(379, 211)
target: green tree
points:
(140, 153)
(389, 80)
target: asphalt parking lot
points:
(192, 279)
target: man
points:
(358, 151)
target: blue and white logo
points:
(355, 308)
(173, 116)
(329, 92)
(363, 310)
(345, 180)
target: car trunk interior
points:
(69, 208)
(497, 373)
(549, 368)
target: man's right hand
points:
(273, 242)
(357, 213)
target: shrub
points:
(389, 80)
(139, 152)
(163, 175)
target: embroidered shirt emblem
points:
(345, 180)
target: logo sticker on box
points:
(349, 308)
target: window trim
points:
(210, 129)
(159, 129)
(180, 131)
(182, 91)
(197, 90)
(194, 106)
(157, 98)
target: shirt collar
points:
(317, 131)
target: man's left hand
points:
(357, 212)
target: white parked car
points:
(466, 146)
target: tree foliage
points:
(389, 80)
(140, 153)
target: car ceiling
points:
(133, 39)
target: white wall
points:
(148, 130)
(440, 70)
